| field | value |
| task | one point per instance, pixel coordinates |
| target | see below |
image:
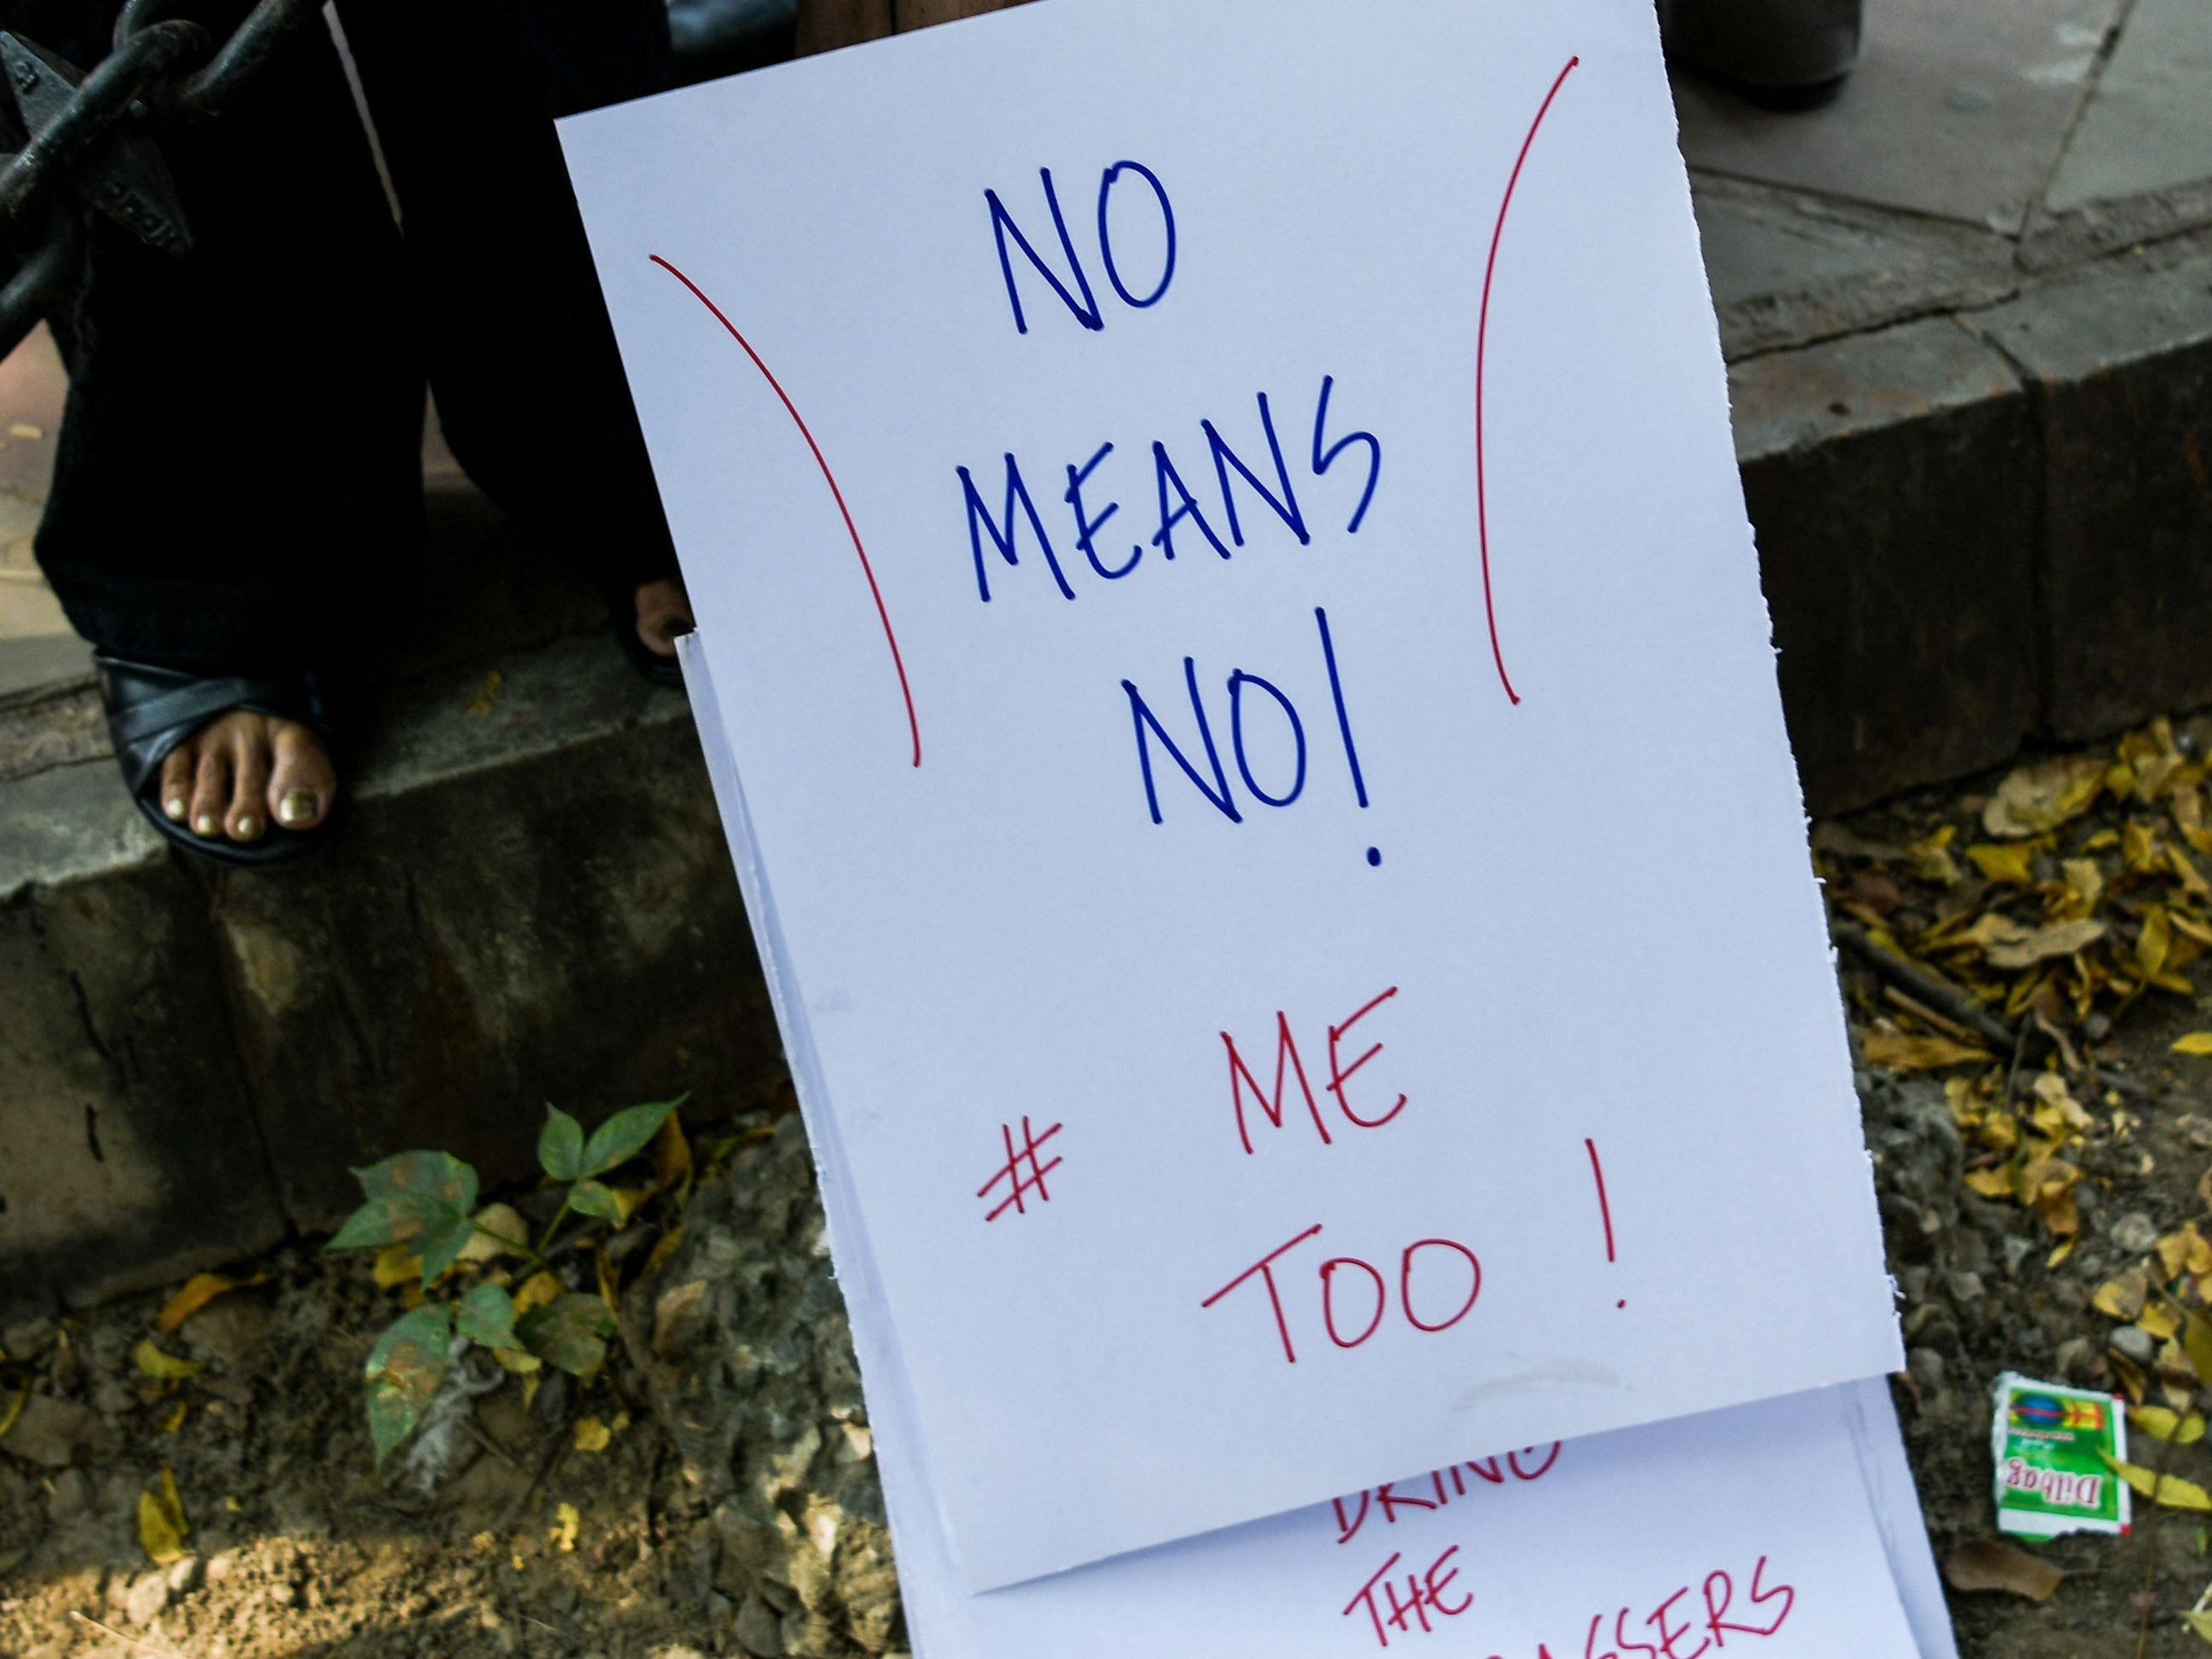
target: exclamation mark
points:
(1604, 1209)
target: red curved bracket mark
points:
(1481, 342)
(867, 569)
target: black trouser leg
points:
(530, 388)
(238, 469)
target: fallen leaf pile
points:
(2045, 910)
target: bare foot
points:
(663, 612)
(242, 773)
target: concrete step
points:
(530, 903)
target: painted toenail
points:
(297, 806)
(249, 828)
(207, 826)
(176, 809)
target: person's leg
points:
(239, 460)
(530, 387)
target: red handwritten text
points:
(1289, 1065)
(1684, 1615)
(1435, 1490)
(1449, 1273)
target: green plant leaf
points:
(403, 1373)
(441, 1245)
(561, 1145)
(570, 1333)
(590, 1198)
(625, 1135)
(410, 1195)
(486, 1316)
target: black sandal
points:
(151, 710)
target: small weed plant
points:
(420, 1213)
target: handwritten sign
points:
(1215, 530)
(1680, 1540)
(1470, 1567)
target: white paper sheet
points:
(1557, 873)
(1522, 1554)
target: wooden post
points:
(824, 24)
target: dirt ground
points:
(2022, 1184)
(296, 1546)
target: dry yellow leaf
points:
(499, 1231)
(2186, 1251)
(1928, 859)
(2058, 1256)
(1965, 1105)
(671, 1154)
(2139, 848)
(1988, 1564)
(515, 1360)
(2085, 886)
(198, 1290)
(175, 1420)
(1999, 1132)
(562, 1535)
(2123, 1299)
(2160, 1321)
(592, 1435)
(484, 1543)
(1990, 1183)
(2188, 809)
(13, 1410)
(2060, 938)
(163, 1367)
(396, 1264)
(538, 1290)
(2169, 1490)
(1904, 1052)
(161, 1528)
(2160, 1423)
(2153, 942)
(2192, 881)
(2041, 796)
(663, 1249)
(2007, 865)
(2197, 1043)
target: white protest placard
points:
(1813, 1490)
(1215, 524)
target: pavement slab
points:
(1958, 109)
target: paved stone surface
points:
(1788, 268)
(531, 901)
(2148, 124)
(1890, 479)
(1959, 108)
(2120, 359)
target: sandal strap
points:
(151, 710)
(190, 707)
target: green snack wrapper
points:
(2054, 1449)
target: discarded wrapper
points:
(2054, 1448)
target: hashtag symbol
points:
(1011, 1172)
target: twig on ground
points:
(1910, 977)
(127, 1641)
(1927, 1016)
(489, 1444)
(2150, 1543)
(561, 1439)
